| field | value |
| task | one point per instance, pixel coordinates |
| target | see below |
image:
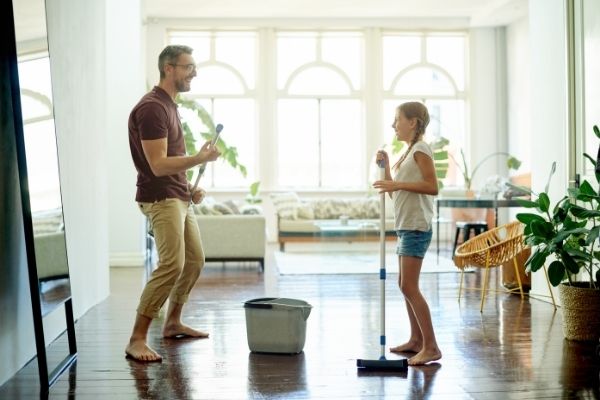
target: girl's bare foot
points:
(179, 330)
(138, 350)
(425, 356)
(412, 346)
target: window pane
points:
(345, 51)
(319, 81)
(239, 130)
(199, 41)
(39, 137)
(293, 51)
(298, 158)
(398, 53)
(33, 106)
(212, 80)
(238, 49)
(449, 53)
(389, 113)
(342, 143)
(447, 119)
(36, 73)
(424, 81)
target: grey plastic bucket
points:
(276, 324)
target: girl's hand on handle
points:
(386, 186)
(382, 159)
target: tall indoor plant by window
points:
(468, 173)
(228, 153)
(568, 234)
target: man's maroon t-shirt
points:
(156, 117)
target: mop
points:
(382, 363)
(218, 130)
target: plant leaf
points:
(537, 259)
(527, 203)
(581, 212)
(527, 218)
(593, 235)
(542, 229)
(562, 235)
(552, 171)
(569, 262)
(587, 189)
(556, 272)
(544, 202)
(513, 163)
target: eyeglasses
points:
(188, 67)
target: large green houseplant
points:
(228, 153)
(568, 233)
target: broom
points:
(382, 363)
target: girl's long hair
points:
(414, 110)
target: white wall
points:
(125, 84)
(77, 55)
(486, 114)
(548, 87)
(518, 60)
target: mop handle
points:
(202, 167)
(382, 260)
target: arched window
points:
(319, 110)
(225, 87)
(429, 68)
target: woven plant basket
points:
(580, 311)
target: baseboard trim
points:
(126, 260)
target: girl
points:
(412, 189)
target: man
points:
(163, 195)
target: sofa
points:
(233, 237)
(228, 232)
(231, 231)
(50, 246)
(330, 219)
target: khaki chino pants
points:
(180, 254)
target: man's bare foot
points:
(181, 330)
(425, 356)
(138, 350)
(412, 346)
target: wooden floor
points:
(514, 350)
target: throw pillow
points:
(232, 206)
(306, 211)
(251, 209)
(330, 208)
(222, 209)
(286, 204)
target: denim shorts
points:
(413, 243)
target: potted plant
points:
(253, 197)
(568, 233)
(228, 153)
(468, 174)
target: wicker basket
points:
(580, 311)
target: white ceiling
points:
(30, 23)
(475, 12)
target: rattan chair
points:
(492, 249)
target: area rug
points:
(351, 262)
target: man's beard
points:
(182, 86)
